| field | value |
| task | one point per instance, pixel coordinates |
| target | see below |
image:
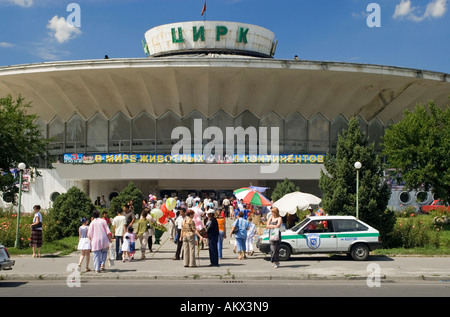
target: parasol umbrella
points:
(290, 202)
(251, 196)
(259, 189)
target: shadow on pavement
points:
(334, 257)
(12, 284)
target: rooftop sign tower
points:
(203, 37)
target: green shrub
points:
(282, 188)
(406, 212)
(131, 192)
(64, 217)
(414, 231)
(384, 222)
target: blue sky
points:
(413, 33)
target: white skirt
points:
(84, 244)
(126, 245)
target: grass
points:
(61, 247)
(423, 251)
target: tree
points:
(131, 192)
(283, 188)
(20, 141)
(338, 183)
(418, 148)
(64, 217)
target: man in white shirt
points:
(190, 201)
(206, 202)
(119, 223)
(178, 226)
(226, 204)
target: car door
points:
(348, 231)
(317, 236)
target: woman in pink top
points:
(100, 237)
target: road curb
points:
(232, 278)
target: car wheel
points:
(360, 252)
(285, 253)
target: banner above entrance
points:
(119, 158)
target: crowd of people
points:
(196, 223)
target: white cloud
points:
(6, 45)
(47, 49)
(22, 3)
(49, 52)
(403, 9)
(434, 9)
(361, 14)
(61, 30)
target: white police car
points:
(326, 234)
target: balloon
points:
(198, 218)
(197, 212)
(156, 213)
(163, 220)
(198, 224)
(164, 209)
(171, 203)
(171, 214)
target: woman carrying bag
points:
(36, 231)
(240, 227)
(274, 224)
(188, 233)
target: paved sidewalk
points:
(159, 265)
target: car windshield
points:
(300, 224)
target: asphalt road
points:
(218, 289)
(308, 277)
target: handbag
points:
(274, 234)
(236, 229)
(38, 225)
(203, 233)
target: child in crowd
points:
(132, 243)
(128, 246)
(84, 244)
(250, 236)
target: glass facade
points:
(147, 134)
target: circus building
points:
(208, 109)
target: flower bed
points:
(8, 228)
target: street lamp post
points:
(357, 166)
(21, 166)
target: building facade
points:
(112, 121)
